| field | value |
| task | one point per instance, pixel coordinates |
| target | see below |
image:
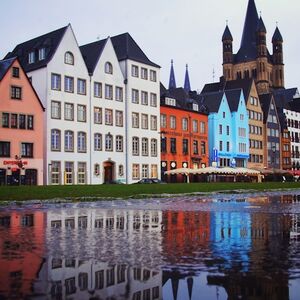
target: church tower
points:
(253, 60)
(172, 81)
(227, 54)
(278, 69)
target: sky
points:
(187, 31)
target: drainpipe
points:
(126, 101)
(90, 128)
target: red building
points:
(184, 132)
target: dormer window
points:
(31, 57)
(195, 107)
(69, 58)
(108, 68)
(42, 53)
(170, 101)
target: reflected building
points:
(22, 250)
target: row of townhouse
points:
(101, 100)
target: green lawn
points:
(125, 191)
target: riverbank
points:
(94, 192)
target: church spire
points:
(172, 81)
(251, 20)
(187, 85)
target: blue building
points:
(228, 138)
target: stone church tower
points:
(253, 60)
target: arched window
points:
(108, 68)
(69, 58)
(108, 142)
(81, 142)
(55, 140)
(69, 141)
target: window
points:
(108, 117)
(220, 129)
(27, 150)
(227, 130)
(221, 146)
(22, 121)
(195, 126)
(224, 115)
(195, 147)
(55, 82)
(153, 99)
(145, 171)
(135, 71)
(55, 110)
(69, 111)
(69, 141)
(173, 145)
(81, 113)
(144, 118)
(55, 172)
(163, 121)
(69, 84)
(185, 146)
(4, 149)
(81, 142)
(153, 123)
(30, 122)
(135, 146)
(31, 57)
(108, 142)
(69, 179)
(135, 120)
(184, 124)
(97, 89)
(108, 92)
(119, 143)
(163, 147)
(13, 121)
(145, 147)
(153, 147)
(119, 118)
(55, 140)
(170, 101)
(5, 120)
(108, 68)
(195, 107)
(81, 86)
(119, 93)
(227, 146)
(153, 171)
(172, 122)
(15, 72)
(135, 171)
(202, 127)
(144, 98)
(42, 53)
(153, 75)
(144, 73)
(135, 96)
(97, 115)
(97, 142)
(121, 170)
(81, 179)
(203, 148)
(16, 92)
(69, 58)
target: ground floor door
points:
(108, 172)
(2, 176)
(30, 177)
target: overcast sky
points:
(188, 31)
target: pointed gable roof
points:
(172, 81)
(187, 85)
(233, 99)
(227, 34)
(265, 102)
(126, 48)
(50, 41)
(212, 101)
(5, 65)
(277, 37)
(261, 26)
(91, 54)
(248, 44)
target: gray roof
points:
(233, 99)
(212, 101)
(5, 65)
(227, 34)
(277, 37)
(49, 41)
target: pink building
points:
(21, 127)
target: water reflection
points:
(234, 248)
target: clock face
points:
(173, 164)
(163, 164)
